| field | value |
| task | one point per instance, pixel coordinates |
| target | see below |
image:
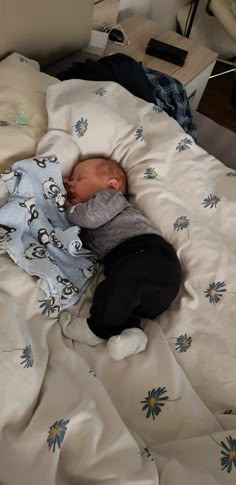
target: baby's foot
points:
(77, 328)
(131, 341)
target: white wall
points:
(132, 7)
(163, 11)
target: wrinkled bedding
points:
(70, 414)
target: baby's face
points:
(84, 182)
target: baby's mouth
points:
(71, 196)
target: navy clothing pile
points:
(164, 91)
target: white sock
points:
(77, 328)
(131, 341)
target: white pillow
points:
(23, 115)
(87, 118)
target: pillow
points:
(169, 175)
(23, 115)
(87, 118)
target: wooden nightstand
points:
(198, 65)
(193, 75)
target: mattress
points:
(69, 413)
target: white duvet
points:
(69, 414)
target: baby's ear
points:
(113, 184)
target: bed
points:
(69, 413)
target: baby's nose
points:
(67, 183)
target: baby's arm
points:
(99, 210)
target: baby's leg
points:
(114, 313)
(77, 328)
(161, 279)
(129, 342)
(116, 302)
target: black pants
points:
(143, 277)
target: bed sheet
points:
(69, 413)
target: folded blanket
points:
(36, 234)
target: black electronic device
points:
(116, 35)
(167, 52)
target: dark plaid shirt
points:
(170, 96)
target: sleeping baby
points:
(142, 271)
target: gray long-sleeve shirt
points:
(107, 219)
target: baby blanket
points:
(36, 234)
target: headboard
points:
(44, 30)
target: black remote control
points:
(167, 52)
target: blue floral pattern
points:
(147, 453)
(181, 223)
(27, 357)
(154, 401)
(184, 144)
(139, 134)
(49, 306)
(183, 343)
(56, 434)
(228, 459)
(150, 173)
(81, 127)
(100, 92)
(211, 201)
(215, 291)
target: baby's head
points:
(91, 176)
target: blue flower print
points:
(183, 343)
(27, 357)
(49, 306)
(139, 134)
(215, 291)
(211, 201)
(231, 174)
(4, 123)
(101, 92)
(147, 453)
(156, 109)
(81, 127)
(154, 401)
(184, 144)
(56, 434)
(181, 223)
(229, 454)
(150, 173)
